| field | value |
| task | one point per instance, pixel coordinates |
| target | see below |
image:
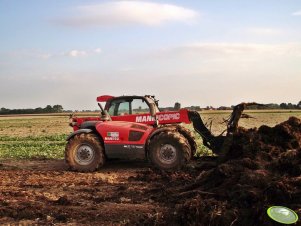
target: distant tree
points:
(299, 105)
(48, 109)
(223, 108)
(177, 106)
(209, 108)
(194, 108)
(57, 108)
(290, 106)
(4, 111)
(283, 105)
(38, 110)
(272, 106)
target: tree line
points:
(278, 106)
(48, 109)
(272, 106)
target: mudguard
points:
(88, 124)
(185, 132)
(79, 132)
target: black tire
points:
(84, 153)
(190, 138)
(169, 150)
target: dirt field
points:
(43, 192)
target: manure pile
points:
(261, 168)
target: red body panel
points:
(118, 132)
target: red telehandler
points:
(132, 127)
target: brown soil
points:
(261, 168)
(43, 192)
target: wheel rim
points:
(84, 155)
(168, 153)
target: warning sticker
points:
(112, 136)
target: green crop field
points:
(33, 136)
(25, 137)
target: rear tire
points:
(84, 153)
(169, 150)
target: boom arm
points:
(216, 143)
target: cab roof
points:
(104, 98)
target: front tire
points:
(169, 150)
(84, 153)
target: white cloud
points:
(116, 13)
(76, 53)
(81, 53)
(97, 50)
(298, 13)
(264, 31)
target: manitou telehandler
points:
(132, 127)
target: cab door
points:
(124, 140)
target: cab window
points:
(139, 106)
(123, 108)
(128, 107)
(112, 108)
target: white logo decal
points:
(161, 117)
(145, 118)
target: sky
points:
(205, 53)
